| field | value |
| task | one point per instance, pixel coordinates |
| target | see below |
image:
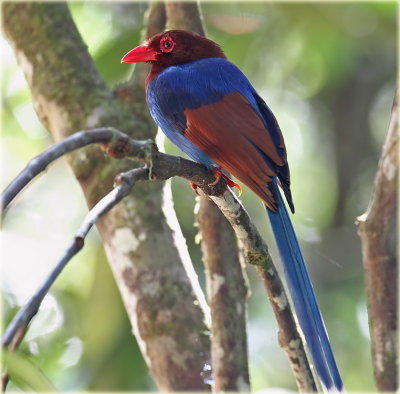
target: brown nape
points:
(188, 47)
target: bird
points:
(208, 108)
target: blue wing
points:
(191, 85)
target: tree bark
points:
(257, 254)
(227, 292)
(226, 285)
(184, 16)
(379, 234)
(143, 242)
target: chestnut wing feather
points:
(232, 134)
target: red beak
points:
(142, 53)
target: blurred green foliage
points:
(28, 375)
(328, 71)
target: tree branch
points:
(184, 16)
(258, 255)
(161, 167)
(41, 162)
(118, 145)
(379, 235)
(17, 328)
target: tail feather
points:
(303, 297)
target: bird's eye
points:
(167, 44)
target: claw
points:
(194, 187)
(233, 184)
(218, 174)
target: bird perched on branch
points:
(208, 108)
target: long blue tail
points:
(303, 297)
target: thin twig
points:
(40, 162)
(18, 326)
(117, 145)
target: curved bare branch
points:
(39, 163)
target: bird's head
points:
(173, 47)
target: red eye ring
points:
(167, 44)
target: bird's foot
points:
(194, 187)
(218, 174)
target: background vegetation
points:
(328, 71)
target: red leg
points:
(194, 187)
(218, 174)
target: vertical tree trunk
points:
(379, 234)
(225, 278)
(227, 292)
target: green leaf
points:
(24, 373)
